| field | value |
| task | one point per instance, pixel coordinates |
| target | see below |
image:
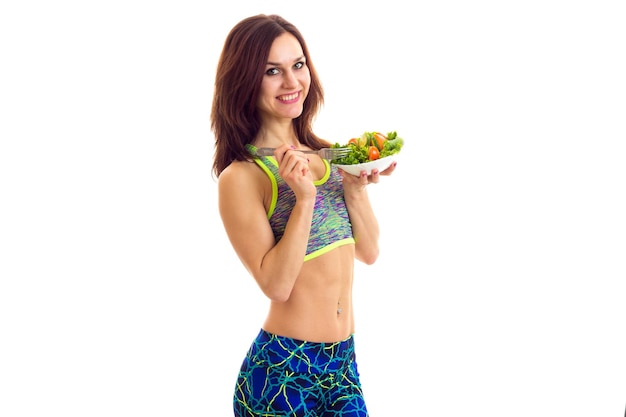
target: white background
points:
(500, 286)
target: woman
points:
(296, 223)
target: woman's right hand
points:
(293, 167)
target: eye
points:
(299, 65)
(272, 71)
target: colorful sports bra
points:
(330, 227)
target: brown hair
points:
(234, 117)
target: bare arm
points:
(364, 222)
(274, 266)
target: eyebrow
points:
(277, 64)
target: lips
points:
(289, 97)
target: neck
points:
(275, 135)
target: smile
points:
(289, 97)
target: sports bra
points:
(330, 226)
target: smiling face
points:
(286, 80)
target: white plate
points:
(380, 164)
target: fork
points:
(324, 153)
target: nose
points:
(290, 80)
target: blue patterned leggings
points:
(285, 377)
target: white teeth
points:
(289, 97)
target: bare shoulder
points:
(242, 185)
(240, 175)
(242, 201)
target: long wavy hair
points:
(235, 120)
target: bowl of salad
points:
(372, 150)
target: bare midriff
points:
(319, 308)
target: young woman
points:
(296, 222)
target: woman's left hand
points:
(357, 183)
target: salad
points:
(370, 146)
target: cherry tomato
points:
(354, 141)
(379, 140)
(373, 153)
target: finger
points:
(287, 165)
(390, 169)
(374, 177)
(364, 178)
(347, 177)
(293, 161)
(281, 152)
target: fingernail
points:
(293, 147)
